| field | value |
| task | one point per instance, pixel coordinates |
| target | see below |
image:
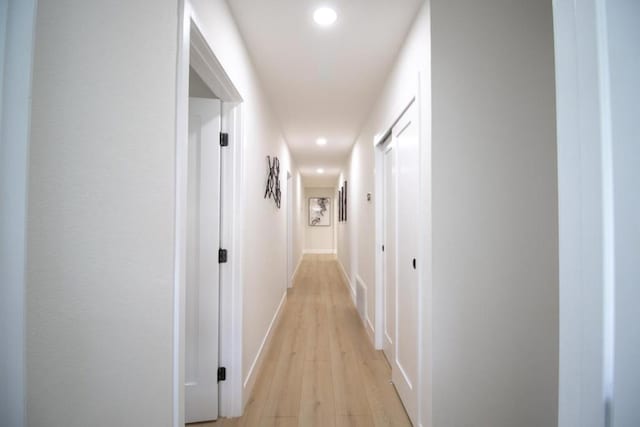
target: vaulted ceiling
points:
(322, 81)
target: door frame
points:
(385, 146)
(17, 41)
(421, 97)
(195, 51)
(290, 267)
(585, 192)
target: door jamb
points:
(195, 51)
(17, 51)
(289, 229)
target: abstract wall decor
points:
(340, 205)
(344, 197)
(319, 211)
(273, 180)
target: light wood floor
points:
(321, 369)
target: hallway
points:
(321, 369)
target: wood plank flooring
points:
(320, 368)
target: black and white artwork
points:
(273, 181)
(319, 211)
(344, 202)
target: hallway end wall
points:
(319, 239)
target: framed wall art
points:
(319, 211)
(344, 202)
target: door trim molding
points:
(16, 59)
(195, 51)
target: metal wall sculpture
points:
(273, 180)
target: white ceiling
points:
(322, 81)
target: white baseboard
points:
(319, 251)
(257, 361)
(295, 272)
(364, 316)
(347, 281)
(370, 330)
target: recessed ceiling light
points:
(320, 170)
(325, 16)
(321, 141)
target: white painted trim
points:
(257, 361)
(369, 328)
(194, 50)
(425, 255)
(584, 193)
(295, 271)
(290, 224)
(347, 281)
(18, 19)
(366, 321)
(206, 64)
(319, 251)
(231, 272)
(378, 237)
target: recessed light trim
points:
(320, 170)
(321, 141)
(325, 16)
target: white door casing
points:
(405, 135)
(389, 252)
(289, 196)
(203, 242)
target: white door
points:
(389, 251)
(203, 242)
(405, 361)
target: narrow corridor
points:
(321, 368)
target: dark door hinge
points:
(222, 373)
(382, 248)
(224, 139)
(222, 256)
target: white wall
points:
(264, 228)
(319, 239)
(495, 214)
(17, 23)
(101, 214)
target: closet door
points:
(405, 362)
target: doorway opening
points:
(207, 381)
